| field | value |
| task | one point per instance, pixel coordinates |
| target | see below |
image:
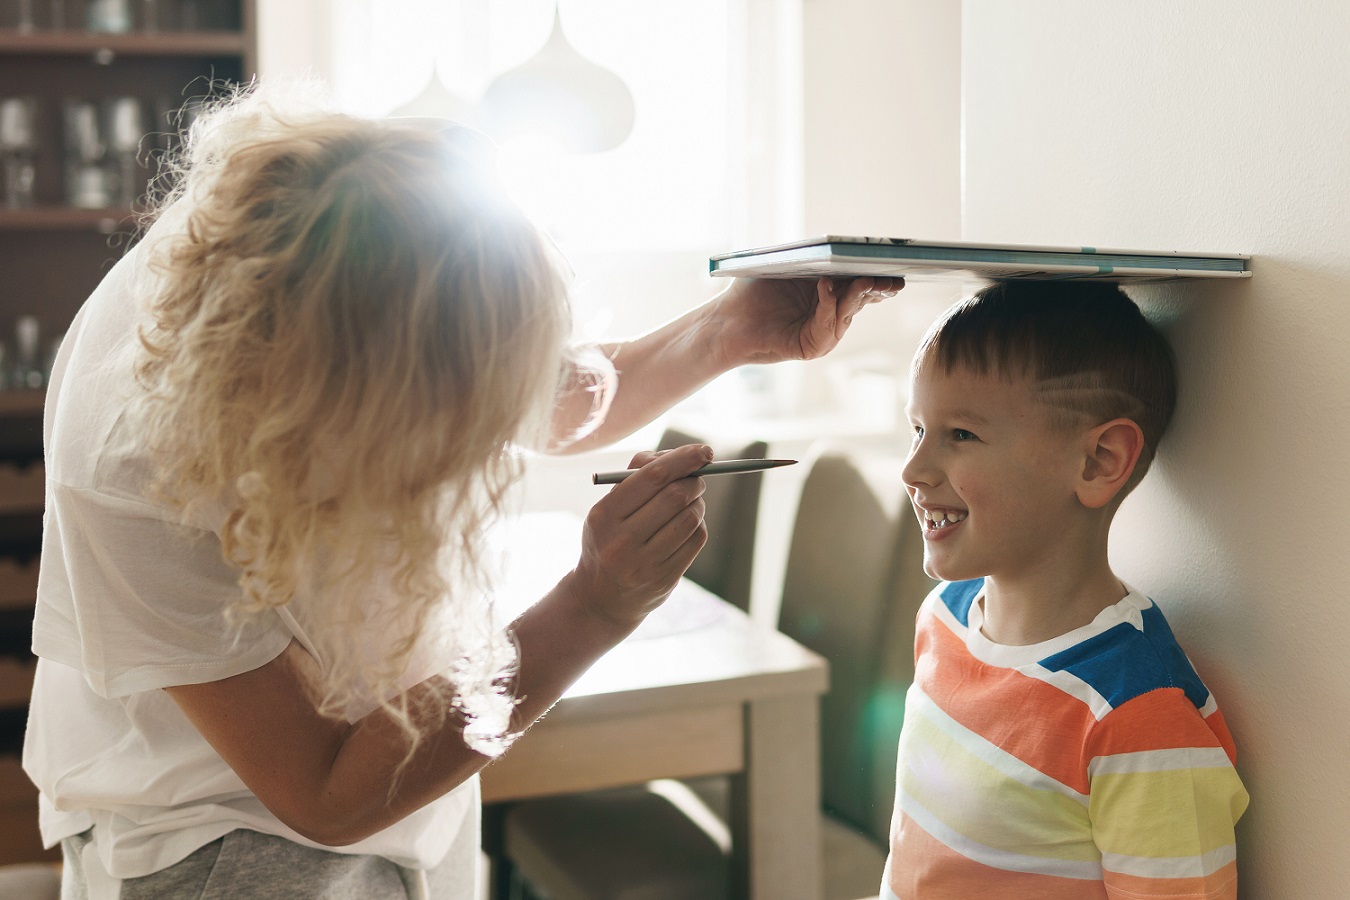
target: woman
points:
(275, 435)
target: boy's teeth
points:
(943, 519)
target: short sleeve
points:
(1165, 799)
(136, 601)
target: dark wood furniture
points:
(51, 256)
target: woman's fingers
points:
(853, 295)
(685, 533)
(684, 555)
(655, 471)
(644, 533)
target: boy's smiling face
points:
(991, 479)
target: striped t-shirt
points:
(1093, 765)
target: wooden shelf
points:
(14, 784)
(16, 681)
(14, 404)
(18, 584)
(67, 218)
(107, 47)
(22, 488)
(53, 256)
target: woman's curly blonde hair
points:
(352, 328)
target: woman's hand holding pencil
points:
(640, 537)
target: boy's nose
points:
(918, 468)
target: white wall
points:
(882, 122)
(1212, 125)
(293, 37)
(882, 140)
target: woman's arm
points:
(753, 321)
(337, 783)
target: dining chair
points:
(725, 564)
(850, 594)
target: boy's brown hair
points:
(1085, 346)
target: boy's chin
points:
(946, 570)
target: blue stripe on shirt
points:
(959, 595)
(1122, 662)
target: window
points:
(667, 188)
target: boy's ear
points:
(1111, 451)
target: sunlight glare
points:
(530, 166)
(667, 188)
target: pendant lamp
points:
(436, 100)
(560, 94)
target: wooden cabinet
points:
(54, 250)
(21, 488)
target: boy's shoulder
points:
(1136, 652)
(1128, 651)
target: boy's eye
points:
(960, 434)
(918, 432)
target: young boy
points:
(1057, 742)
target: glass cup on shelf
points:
(126, 130)
(155, 15)
(190, 15)
(21, 18)
(28, 16)
(108, 16)
(87, 182)
(18, 144)
(27, 372)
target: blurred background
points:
(716, 125)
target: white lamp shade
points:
(559, 93)
(435, 100)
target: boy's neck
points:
(1023, 612)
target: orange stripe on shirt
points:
(1218, 885)
(922, 857)
(1159, 720)
(989, 700)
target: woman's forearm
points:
(558, 639)
(331, 782)
(752, 321)
(655, 371)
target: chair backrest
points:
(909, 585)
(726, 563)
(850, 592)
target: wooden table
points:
(698, 689)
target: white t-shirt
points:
(131, 599)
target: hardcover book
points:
(847, 257)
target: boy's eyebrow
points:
(962, 415)
(970, 416)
